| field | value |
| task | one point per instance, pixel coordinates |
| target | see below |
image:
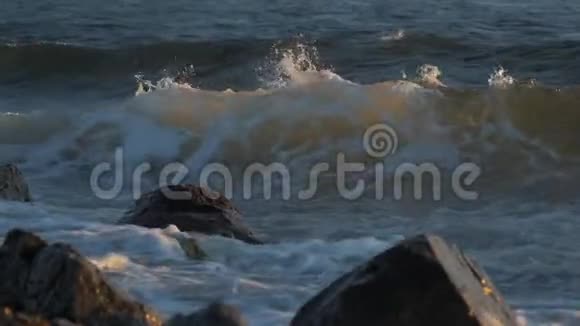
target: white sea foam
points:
(112, 262)
(500, 78)
(396, 35)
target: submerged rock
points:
(420, 281)
(216, 314)
(191, 248)
(54, 281)
(12, 184)
(190, 208)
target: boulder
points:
(56, 282)
(12, 184)
(216, 314)
(11, 318)
(420, 281)
(191, 209)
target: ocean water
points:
(480, 82)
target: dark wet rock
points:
(11, 318)
(12, 184)
(56, 282)
(421, 281)
(191, 209)
(8, 317)
(63, 322)
(16, 255)
(216, 314)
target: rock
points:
(12, 184)
(56, 282)
(191, 248)
(191, 209)
(11, 318)
(420, 281)
(216, 314)
(16, 255)
(63, 322)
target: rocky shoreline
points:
(422, 280)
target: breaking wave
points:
(305, 114)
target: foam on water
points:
(268, 282)
(429, 75)
(500, 78)
(396, 35)
(112, 262)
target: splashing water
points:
(500, 78)
(294, 66)
(428, 75)
(145, 86)
(396, 35)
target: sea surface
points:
(488, 83)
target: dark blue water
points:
(111, 40)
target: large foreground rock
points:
(12, 184)
(12, 318)
(56, 282)
(191, 208)
(421, 281)
(216, 314)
